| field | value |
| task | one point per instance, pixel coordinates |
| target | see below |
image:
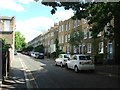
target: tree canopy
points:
(19, 41)
(97, 13)
(29, 48)
(39, 48)
(75, 39)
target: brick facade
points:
(101, 48)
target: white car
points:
(62, 59)
(33, 54)
(80, 62)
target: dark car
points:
(40, 56)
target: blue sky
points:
(32, 18)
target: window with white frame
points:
(85, 21)
(78, 22)
(59, 28)
(75, 49)
(59, 39)
(90, 34)
(62, 27)
(1, 26)
(68, 48)
(7, 25)
(101, 47)
(68, 37)
(60, 48)
(68, 25)
(89, 48)
(52, 34)
(62, 39)
(52, 41)
(74, 23)
(65, 38)
(85, 33)
(49, 42)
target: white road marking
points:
(26, 70)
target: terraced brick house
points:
(103, 49)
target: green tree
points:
(99, 13)
(39, 48)
(5, 46)
(19, 41)
(57, 47)
(29, 48)
(75, 40)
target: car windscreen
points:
(66, 56)
(84, 58)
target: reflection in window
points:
(84, 58)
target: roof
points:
(6, 18)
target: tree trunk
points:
(72, 50)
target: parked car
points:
(80, 62)
(15, 52)
(36, 54)
(40, 56)
(62, 59)
(33, 54)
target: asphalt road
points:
(44, 74)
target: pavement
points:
(109, 70)
(16, 80)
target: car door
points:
(71, 62)
(59, 59)
(74, 62)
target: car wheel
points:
(55, 63)
(76, 69)
(93, 71)
(66, 66)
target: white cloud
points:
(26, 1)
(11, 5)
(63, 15)
(32, 27)
(35, 26)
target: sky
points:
(32, 18)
